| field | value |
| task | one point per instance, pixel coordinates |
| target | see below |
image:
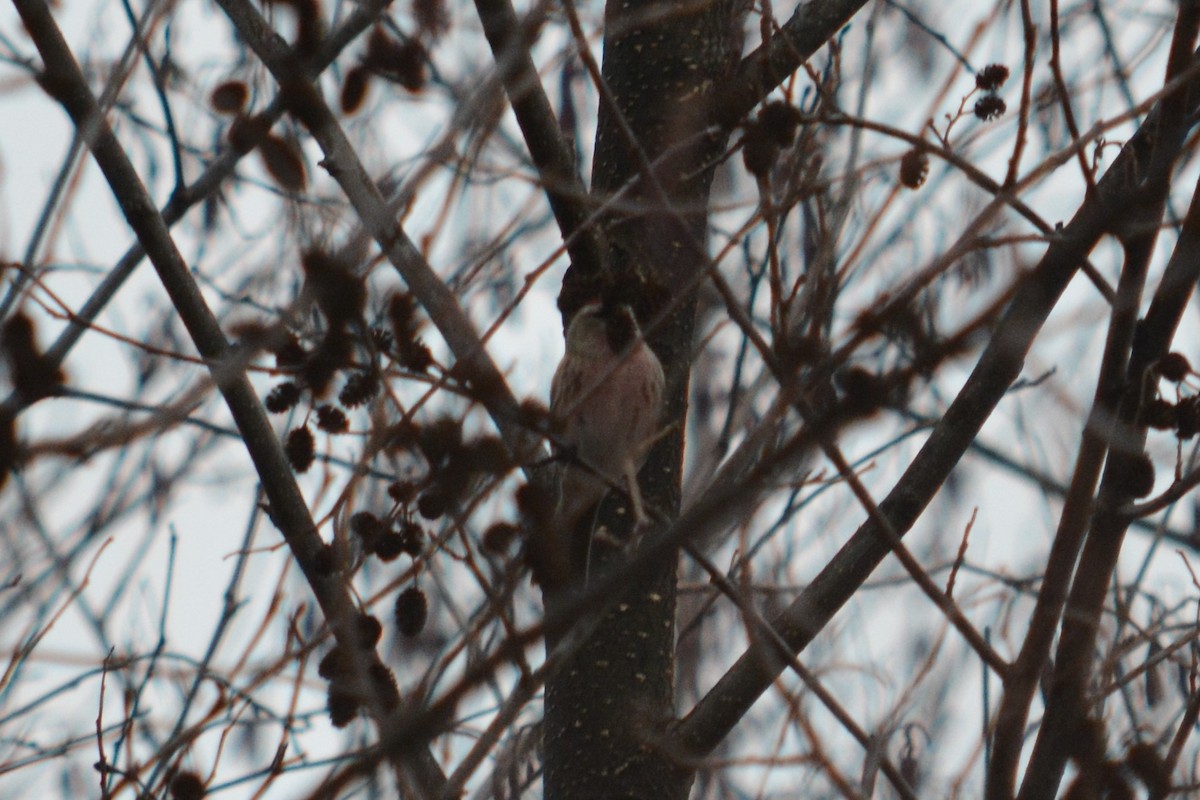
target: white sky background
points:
(209, 514)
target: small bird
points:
(606, 402)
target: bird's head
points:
(600, 324)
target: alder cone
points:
(411, 611)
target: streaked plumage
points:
(606, 403)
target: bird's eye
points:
(620, 328)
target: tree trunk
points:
(607, 708)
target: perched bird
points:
(606, 404)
